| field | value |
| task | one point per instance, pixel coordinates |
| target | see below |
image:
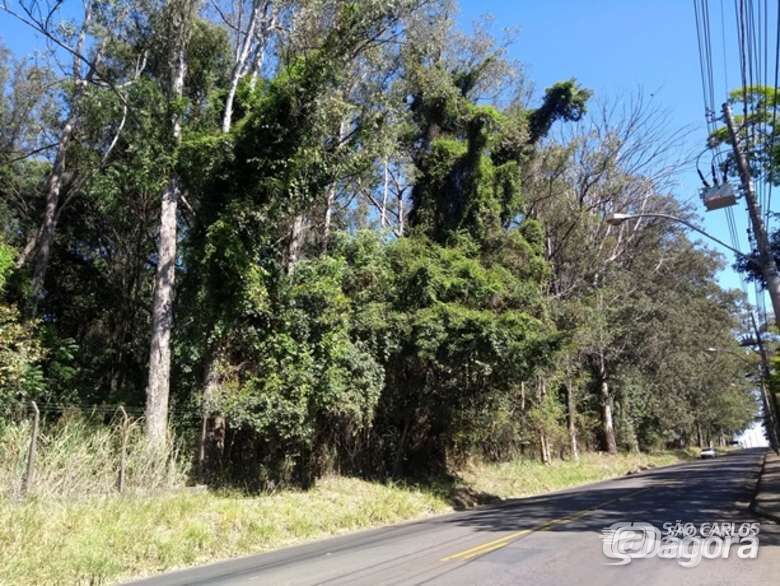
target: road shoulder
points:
(766, 501)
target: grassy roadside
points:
(106, 539)
(526, 477)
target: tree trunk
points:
(610, 443)
(607, 420)
(242, 54)
(331, 197)
(544, 447)
(46, 232)
(29, 248)
(158, 385)
(544, 452)
(257, 60)
(42, 242)
(572, 421)
(385, 190)
(400, 214)
(213, 426)
(296, 243)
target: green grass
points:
(105, 539)
(527, 477)
(102, 540)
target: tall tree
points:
(179, 16)
(86, 47)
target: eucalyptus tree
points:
(27, 104)
(616, 160)
(88, 43)
(253, 25)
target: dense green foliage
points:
(379, 270)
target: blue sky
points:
(613, 47)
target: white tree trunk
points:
(245, 47)
(544, 449)
(607, 419)
(572, 421)
(296, 243)
(385, 189)
(522, 396)
(400, 214)
(331, 197)
(40, 244)
(158, 385)
(242, 53)
(255, 63)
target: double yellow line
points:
(484, 548)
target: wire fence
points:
(105, 411)
(85, 450)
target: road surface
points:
(551, 539)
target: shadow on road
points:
(696, 492)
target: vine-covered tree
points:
(335, 235)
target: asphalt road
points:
(552, 539)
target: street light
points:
(616, 219)
(714, 350)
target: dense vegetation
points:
(315, 235)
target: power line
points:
(774, 119)
(752, 34)
(705, 61)
(723, 46)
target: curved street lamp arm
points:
(686, 223)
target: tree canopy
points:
(342, 254)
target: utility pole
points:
(768, 268)
(767, 398)
(765, 258)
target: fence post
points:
(120, 482)
(28, 475)
(202, 445)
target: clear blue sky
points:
(613, 47)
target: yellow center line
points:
(484, 548)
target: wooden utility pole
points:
(765, 258)
(767, 264)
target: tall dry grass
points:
(78, 457)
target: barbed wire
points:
(101, 408)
